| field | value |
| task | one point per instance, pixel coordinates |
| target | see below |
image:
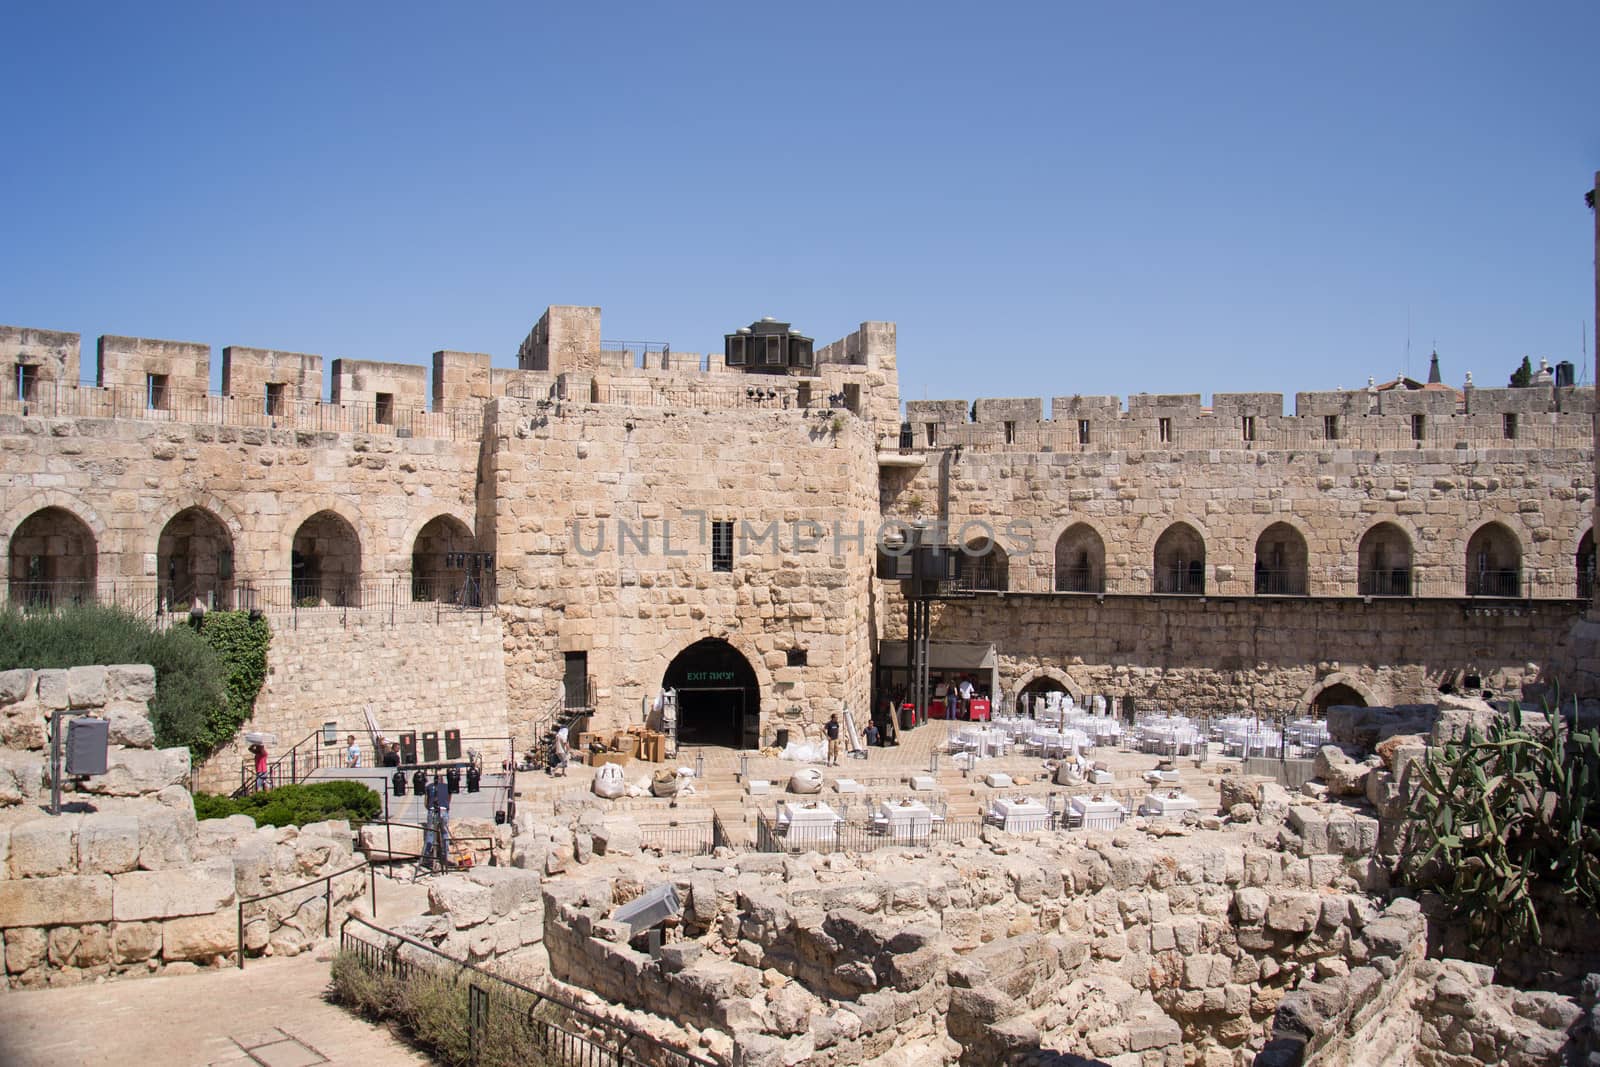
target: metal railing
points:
(580, 1037)
(1183, 579)
(1280, 582)
(698, 839)
(72, 400)
(1291, 435)
(1395, 582)
(1078, 580)
(860, 837)
(1494, 583)
(326, 881)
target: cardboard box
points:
(600, 759)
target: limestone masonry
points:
(467, 546)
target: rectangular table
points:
(1163, 806)
(905, 821)
(1020, 814)
(1098, 814)
(804, 823)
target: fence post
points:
(372, 874)
(240, 909)
(327, 906)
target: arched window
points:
(1494, 562)
(983, 566)
(1384, 562)
(194, 561)
(438, 567)
(53, 560)
(1180, 560)
(1281, 561)
(325, 564)
(1080, 560)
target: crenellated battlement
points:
(1375, 417)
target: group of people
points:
(957, 697)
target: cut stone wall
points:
(419, 675)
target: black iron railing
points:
(1184, 578)
(1079, 580)
(861, 837)
(1396, 582)
(560, 1030)
(326, 881)
(1280, 582)
(1494, 583)
(697, 839)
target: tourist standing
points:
(352, 755)
(563, 752)
(965, 692)
(832, 730)
(260, 752)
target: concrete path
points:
(271, 1013)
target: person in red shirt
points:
(261, 764)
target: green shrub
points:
(295, 805)
(206, 680)
(1505, 821)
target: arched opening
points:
(1586, 563)
(52, 560)
(438, 569)
(1080, 560)
(1384, 562)
(1180, 560)
(1494, 562)
(1337, 695)
(1281, 561)
(983, 566)
(194, 560)
(325, 563)
(719, 699)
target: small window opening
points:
(1083, 431)
(722, 545)
(796, 657)
(27, 381)
(1509, 425)
(383, 413)
(275, 398)
(1164, 430)
(933, 432)
(1330, 427)
(1247, 427)
(1011, 433)
(155, 391)
(1419, 427)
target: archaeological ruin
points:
(1190, 667)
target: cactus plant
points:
(1504, 818)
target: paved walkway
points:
(271, 1013)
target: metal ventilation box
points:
(86, 745)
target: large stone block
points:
(51, 687)
(199, 937)
(1295, 913)
(43, 848)
(466, 903)
(25, 948)
(133, 942)
(166, 839)
(108, 843)
(196, 890)
(15, 686)
(86, 687)
(132, 772)
(21, 777)
(130, 681)
(69, 900)
(130, 725)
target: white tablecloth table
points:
(904, 821)
(1020, 814)
(1166, 806)
(805, 823)
(1098, 814)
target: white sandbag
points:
(806, 780)
(609, 781)
(806, 752)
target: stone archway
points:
(194, 560)
(1335, 690)
(1080, 560)
(1281, 561)
(1383, 561)
(1180, 560)
(325, 562)
(719, 697)
(53, 559)
(437, 572)
(1494, 562)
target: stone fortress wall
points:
(356, 489)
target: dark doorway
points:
(719, 700)
(1337, 695)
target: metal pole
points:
(241, 936)
(55, 762)
(327, 906)
(372, 873)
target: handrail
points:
(546, 995)
(327, 891)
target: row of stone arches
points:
(53, 557)
(1385, 561)
(1334, 690)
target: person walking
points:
(352, 755)
(832, 730)
(563, 754)
(260, 752)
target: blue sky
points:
(1049, 199)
